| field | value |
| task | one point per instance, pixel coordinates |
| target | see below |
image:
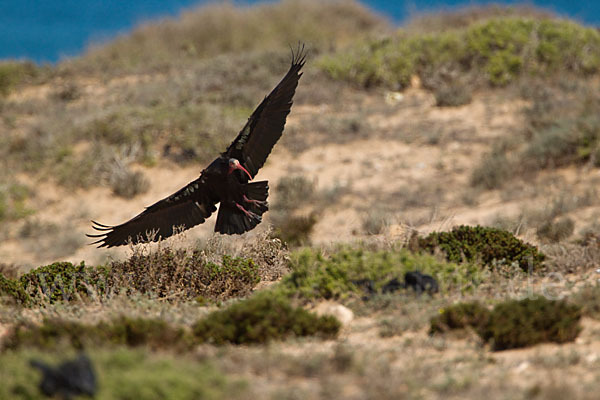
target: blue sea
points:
(51, 30)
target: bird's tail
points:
(232, 220)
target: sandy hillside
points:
(407, 164)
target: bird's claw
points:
(256, 202)
(249, 214)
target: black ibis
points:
(226, 180)
(69, 379)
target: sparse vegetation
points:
(452, 95)
(224, 28)
(315, 275)
(556, 230)
(13, 199)
(589, 299)
(291, 224)
(182, 274)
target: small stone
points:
(343, 314)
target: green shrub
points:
(498, 50)
(485, 244)
(63, 281)
(12, 289)
(128, 184)
(13, 73)
(315, 275)
(459, 316)
(514, 323)
(521, 323)
(259, 319)
(123, 331)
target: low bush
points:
(493, 171)
(12, 290)
(119, 331)
(181, 274)
(166, 273)
(459, 316)
(128, 184)
(452, 95)
(514, 323)
(262, 318)
(521, 323)
(63, 281)
(485, 244)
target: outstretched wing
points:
(265, 126)
(184, 209)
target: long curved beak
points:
(239, 166)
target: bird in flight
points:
(226, 180)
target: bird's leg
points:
(249, 214)
(255, 202)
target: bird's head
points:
(235, 164)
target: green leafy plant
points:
(459, 316)
(514, 323)
(13, 290)
(315, 275)
(521, 323)
(262, 318)
(497, 49)
(63, 281)
(485, 244)
(123, 331)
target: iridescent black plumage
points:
(242, 204)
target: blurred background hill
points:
(48, 32)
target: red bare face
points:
(235, 164)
